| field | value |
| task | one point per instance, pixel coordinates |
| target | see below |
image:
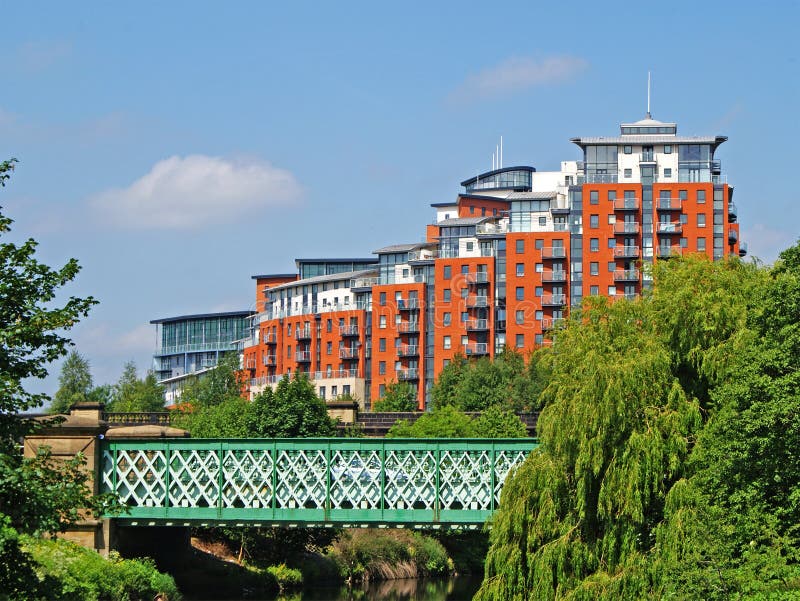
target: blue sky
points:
(176, 149)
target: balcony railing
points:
(302, 356)
(487, 229)
(479, 277)
(626, 252)
(351, 330)
(476, 348)
(408, 304)
(732, 212)
(269, 360)
(665, 252)
(549, 323)
(733, 236)
(647, 157)
(626, 227)
(304, 334)
(554, 276)
(669, 228)
(554, 252)
(422, 255)
(408, 350)
(554, 300)
(314, 375)
(669, 204)
(626, 204)
(270, 338)
(348, 352)
(477, 301)
(477, 325)
(626, 275)
(408, 327)
(601, 178)
(404, 375)
(364, 282)
(195, 347)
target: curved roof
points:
(223, 314)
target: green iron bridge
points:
(321, 482)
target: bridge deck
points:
(310, 482)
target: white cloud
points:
(197, 191)
(765, 242)
(519, 73)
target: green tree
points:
(400, 396)
(444, 422)
(228, 419)
(496, 422)
(74, 383)
(217, 385)
(134, 394)
(629, 385)
(293, 411)
(36, 495)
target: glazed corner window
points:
(627, 149)
(594, 197)
(382, 299)
(520, 246)
(627, 173)
(447, 272)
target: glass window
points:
(329, 348)
(447, 319)
(382, 322)
(539, 291)
(612, 195)
(667, 149)
(539, 315)
(382, 390)
(464, 316)
(464, 292)
(627, 173)
(520, 293)
(382, 299)
(594, 268)
(539, 243)
(542, 221)
(446, 295)
(520, 341)
(470, 246)
(701, 220)
(446, 342)
(447, 272)
(539, 267)
(519, 317)
(701, 244)
(667, 172)
(538, 339)
(594, 245)
(612, 266)
(594, 290)
(684, 242)
(520, 246)
(382, 345)
(382, 368)
(594, 197)
(464, 269)
(701, 196)
(520, 269)
(594, 220)
(627, 149)
(683, 194)
(612, 291)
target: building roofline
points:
(473, 179)
(339, 260)
(275, 276)
(203, 316)
(437, 205)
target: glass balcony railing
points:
(669, 204)
(553, 300)
(626, 227)
(626, 204)
(476, 348)
(554, 252)
(626, 252)
(404, 375)
(626, 275)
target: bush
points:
(288, 578)
(69, 572)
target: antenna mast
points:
(648, 95)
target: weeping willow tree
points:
(629, 391)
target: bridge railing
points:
(417, 482)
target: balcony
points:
(554, 252)
(626, 227)
(491, 229)
(269, 360)
(626, 252)
(669, 228)
(270, 338)
(408, 304)
(554, 276)
(474, 302)
(626, 204)
(647, 157)
(303, 356)
(304, 334)
(348, 331)
(732, 212)
(480, 277)
(626, 275)
(554, 300)
(348, 352)
(248, 362)
(408, 327)
(408, 350)
(550, 323)
(601, 178)
(476, 349)
(422, 256)
(669, 204)
(665, 252)
(733, 236)
(405, 375)
(337, 373)
(477, 325)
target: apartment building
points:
(500, 265)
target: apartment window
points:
(701, 196)
(701, 244)
(594, 245)
(594, 268)
(594, 290)
(520, 341)
(520, 246)
(594, 197)
(334, 391)
(382, 299)
(446, 342)
(322, 392)
(612, 219)
(446, 295)
(627, 149)
(667, 149)
(288, 352)
(627, 173)
(684, 218)
(464, 292)
(612, 291)
(612, 266)
(538, 291)
(519, 318)
(447, 319)
(464, 316)
(612, 195)
(446, 362)
(464, 340)
(382, 345)
(382, 322)
(594, 220)
(612, 242)
(543, 221)
(520, 269)
(464, 269)
(520, 293)
(539, 243)
(683, 194)
(382, 368)
(405, 273)
(667, 172)
(483, 211)
(329, 348)
(538, 315)
(684, 242)
(539, 267)
(470, 246)
(346, 389)
(472, 210)
(538, 339)
(447, 272)
(289, 330)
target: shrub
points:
(288, 578)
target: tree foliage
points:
(134, 394)
(400, 396)
(449, 422)
(293, 411)
(74, 383)
(222, 383)
(630, 387)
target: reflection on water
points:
(459, 588)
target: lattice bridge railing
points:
(310, 482)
